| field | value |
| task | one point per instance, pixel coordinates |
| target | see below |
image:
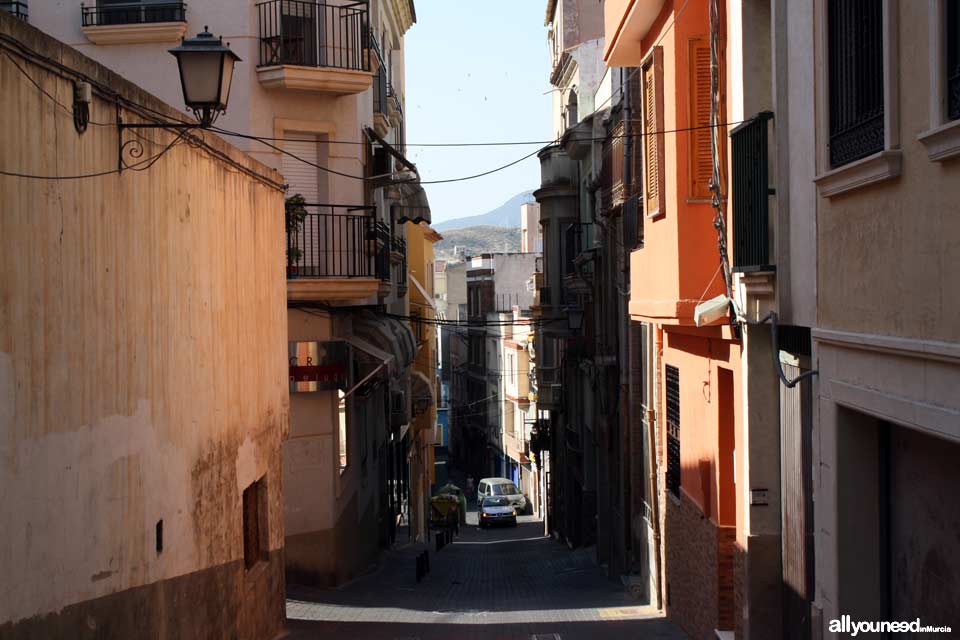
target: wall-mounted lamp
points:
(206, 72)
(574, 318)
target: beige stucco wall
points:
(888, 253)
(142, 342)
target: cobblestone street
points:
(501, 583)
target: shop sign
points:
(318, 366)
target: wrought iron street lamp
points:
(206, 70)
(574, 318)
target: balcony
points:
(134, 22)
(313, 46)
(381, 115)
(395, 115)
(398, 256)
(16, 9)
(751, 195)
(334, 253)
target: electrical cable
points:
(140, 165)
(10, 45)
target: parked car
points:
(496, 510)
(501, 487)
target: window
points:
(673, 430)
(342, 434)
(701, 98)
(857, 94)
(255, 533)
(511, 369)
(653, 149)
(942, 139)
(952, 70)
(855, 61)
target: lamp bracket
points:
(133, 148)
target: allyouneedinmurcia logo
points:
(845, 624)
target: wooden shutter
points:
(701, 159)
(653, 146)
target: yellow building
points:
(423, 312)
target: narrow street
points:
(495, 583)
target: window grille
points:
(855, 63)
(953, 60)
(673, 430)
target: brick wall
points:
(691, 567)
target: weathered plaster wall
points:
(142, 336)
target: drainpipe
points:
(623, 298)
(653, 437)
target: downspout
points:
(623, 297)
(653, 460)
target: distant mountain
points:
(506, 215)
(477, 240)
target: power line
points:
(140, 165)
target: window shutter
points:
(701, 158)
(651, 161)
(653, 140)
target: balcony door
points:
(298, 27)
(305, 179)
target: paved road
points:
(506, 584)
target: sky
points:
(476, 72)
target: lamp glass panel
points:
(225, 80)
(200, 73)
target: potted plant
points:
(296, 213)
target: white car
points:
(496, 510)
(501, 487)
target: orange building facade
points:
(693, 374)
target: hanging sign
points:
(318, 366)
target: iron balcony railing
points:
(399, 247)
(132, 13)
(314, 34)
(333, 241)
(751, 194)
(632, 223)
(380, 81)
(383, 238)
(16, 9)
(611, 172)
(577, 238)
(546, 296)
(396, 103)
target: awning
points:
(387, 335)
(413, 205)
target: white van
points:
(501, 487)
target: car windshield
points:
(505, 489)
(496, 502)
